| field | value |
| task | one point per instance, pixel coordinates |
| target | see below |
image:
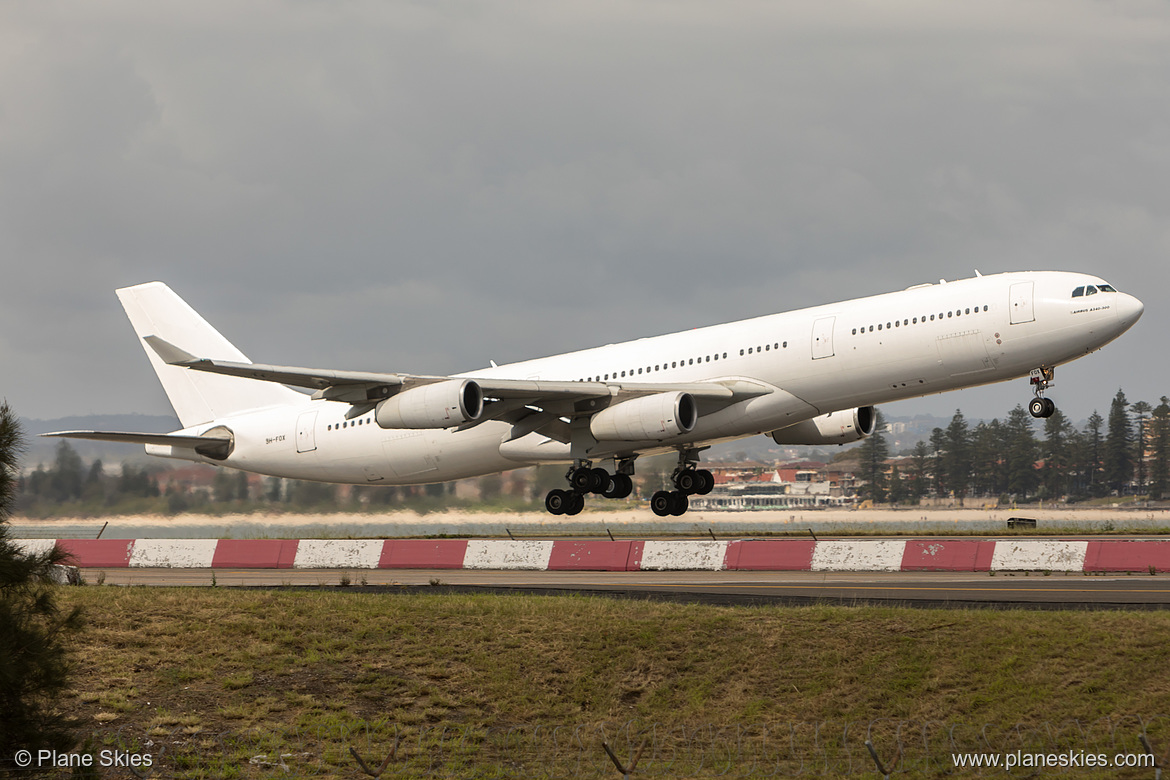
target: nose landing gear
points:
(1041, 379)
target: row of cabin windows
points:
(348, 424)
(916, 320)
(682, 363)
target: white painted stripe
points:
(173, 553)
(859, 555)
(498, 554)
(34, 546)
(1036, 555)
(338, 554)
(683, 556)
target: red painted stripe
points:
(770, 555)
(589, 556)
(947, 555)
(255, 554)
(98, 553)
(1124, 555)
(635, 561)
(423, 554)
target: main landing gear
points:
(689, 480)
(584, 479)
(1041, 407)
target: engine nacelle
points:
(439, 405)
(649, 418)
(841, 427)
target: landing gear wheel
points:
(557, 501)
(620, 486)
(679, 503)
(661, 503)
(575, 504)
(581, 479)
(599, 480)
(1041, 407)
(706, 482)
(687, 482)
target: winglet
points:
(170, 354)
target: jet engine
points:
(439, 405)
(840, 427)
(649, 418)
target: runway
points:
(917, 589)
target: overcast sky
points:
(422, 187)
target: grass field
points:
(219, 677)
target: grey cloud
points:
(425, 187)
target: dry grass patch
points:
(340, 663)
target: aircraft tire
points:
(581, 479)
(707, 482)
(661, 503)
(679, 503)
(687, 482)
(598, 480)
(627, 485)
(1037, 407)
(557, 501)
(575, 504)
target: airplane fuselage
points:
(924, 340)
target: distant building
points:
(792, 486)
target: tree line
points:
(68, 485)
(1126, 453)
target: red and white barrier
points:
(939, 554)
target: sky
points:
(424, 187)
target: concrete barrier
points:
(500, 554)
(937, 554)
(683, 556)
(1039, 555)
(859, 555)
(173, 553)
(339, 553)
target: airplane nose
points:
(1129, 310)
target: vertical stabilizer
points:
(198, 397)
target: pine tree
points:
(872, 455)
(937, 472)
(34, 667)
(1058, 452)
(986, 460)
(1020, 453)
(1118, 446)
(1092, 454)
(957, 457)
(1160, 443)
(1141, 410)
(919, 481)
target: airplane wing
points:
(363, 388)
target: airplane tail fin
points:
(198, 397)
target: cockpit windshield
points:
(1091, 289)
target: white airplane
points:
(810, 376)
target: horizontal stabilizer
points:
(213, 446)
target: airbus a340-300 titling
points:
(802, 377)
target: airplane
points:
(811, 376)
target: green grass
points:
(353, 667)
